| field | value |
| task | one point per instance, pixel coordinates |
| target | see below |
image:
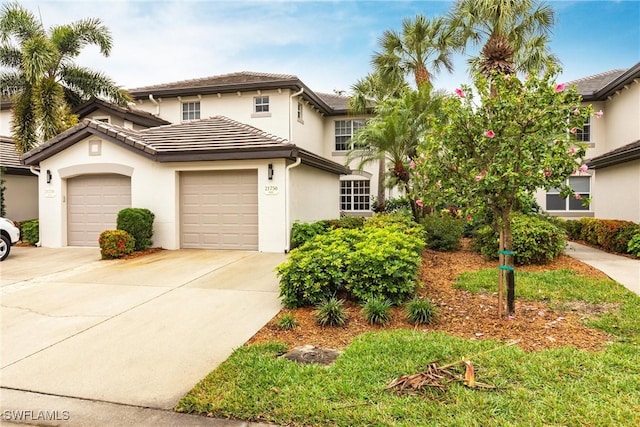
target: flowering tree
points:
(517, 138)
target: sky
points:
(327, 44)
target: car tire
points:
(5, 247)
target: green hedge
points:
(30, 231)
(443, 232)
(115, 244)
(377, 260)
(138, 223)
(610, 234)
(535, 240)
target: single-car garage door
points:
(93, 203)
(219, 209)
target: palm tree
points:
(368, 92)
(513, 33)
(39, 75)
(422, 47)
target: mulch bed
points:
(461, 313)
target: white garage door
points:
(219, 209)
(93, 203)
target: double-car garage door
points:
(218, 209)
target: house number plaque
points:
(271, 190)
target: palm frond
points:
(87, 83)
(11, 83)
(23, 122)
(17, 21)
(10, 56)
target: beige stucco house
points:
(613, 155)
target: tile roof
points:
(239, 78)
(623, 154)
(591, 84)
(139, 117)
(9, 156)
(215, 138)
(600, 86)
(336, 102)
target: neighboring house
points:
(613, 179)
(21, 186)
(246, 155)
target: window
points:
(103, 119)
(584, 134)
(191, 110)
(261, 104)
(345, 129)
(300, 110)
(354, 195)
(581, 185)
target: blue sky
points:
(327, 44)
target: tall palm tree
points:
(366, 94)
(514, 34)
(40, 77)
(422, 47)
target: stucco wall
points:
(618, 192)
(308, 134)
(21, 197)
(153, 186)
(315, 194)
(5, 122)
(622, 111)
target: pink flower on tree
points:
(599, 114)
(574, 130)
(482, 174)
(459, 92)
(412, 164)
(578, 197)
(560, 88)
(419, 203)
(547, 173)
(576, 112)
(469, 218)
(583, 168)
(572, 150)
(489, 134)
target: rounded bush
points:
(377, 311)
(116, 244)
(139, 224)
(331, 313)
(30, 231)
(443, 232)
(421, 311)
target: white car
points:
(9, 235)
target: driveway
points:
(139, 332)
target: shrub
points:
(377, 311)
(139, 224)
(633, 247)
(573, 229)
(116, 244)
(420, 311)
(384, 264)
(589, 231)
(614, 235)
(401, 222)
(287, 321)
(395, 205)
(30, 231)
(442, 232)
(331, 312)
(347, 222)
(535, 240)
(303, 231)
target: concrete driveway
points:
(138, 332)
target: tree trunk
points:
(382, 169)
(508, 262)
(422, 75)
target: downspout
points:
(298, 93)
(33, 170)
(157, 104)
(287, 209)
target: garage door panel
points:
(93, 203)
(219, 209)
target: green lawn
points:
(566, 386)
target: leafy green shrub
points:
(589, 231)
(633, 247)
(115, 244)
(395, 205)
(400, 222)
(287, 321)
(347, 222)
(138, 223)
(331, 312)
(535, 240)
(443, 232)
(316, 270)
(614, 235)
(377, 311)
(30, 231)
(384, 264)
(421, 311)
(303, 231)
(573, 229)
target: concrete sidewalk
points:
(623, 270)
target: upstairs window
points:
(355, 195)
(300, 112)
(345, 129)
(190, 110)
(584, 134)
(581, 186)
(261, 104)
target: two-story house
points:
(612, 181)
(239, 159)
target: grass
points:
(563, 386)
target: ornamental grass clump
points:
(287, 321)
(377, 311)
(331, 313)
(421, 311)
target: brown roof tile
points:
(9, 156)
(239, 78)
(139, 117)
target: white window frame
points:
(344, 131)
(261, 104)
(569, 201)
(300, 112)
(584, 134)
(189, 113)
(355, 195)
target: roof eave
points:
(616, 84)
(605, 160)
